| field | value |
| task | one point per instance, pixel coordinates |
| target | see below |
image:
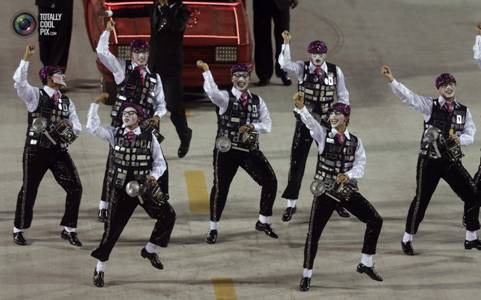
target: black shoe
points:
(102, 216)
(408, 248)
(476, 244)
(267, 229)
(19, 239)
(342, 212)
(98, 278)
(285, 79)
(288, 213)
(71, 237)
(211, 237)
(185, 143)
(153, 258)
(263, 82)
(370, 271)
(305, 284)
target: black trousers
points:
(225, 167)
(36, 162)
(321, 211)
(428, 174)
(121, 208)
(266, 11)
(163, 180)
(301, 143)
(174, 98)
(54, 48)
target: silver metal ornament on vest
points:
(132, 90)
(47, 115)
(236, 116)
(146, 193)
(319, 93)
(223, 144)
(437, 146)
(131, 159)
(341, 192)
(445, 124)
(336, 159)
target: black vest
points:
(52, 113)
(442, 120)
(319, 94)
(131, 160)
(132, 90)
(336, 158)
(235, 116)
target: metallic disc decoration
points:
(39, 125)
(223, 144)
(317, 188)
(431, 134)
(132, 188)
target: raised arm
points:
(219, 98)
(29, 94)
(94, 123)
(317, 132)
(342, 92)
(419, 103)
(357, 170)
(265, 122)
(477, 45)
(158, 166)
(74, 120)
(467, 137)
(112, 63)
(285, 58)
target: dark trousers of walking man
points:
(54, 46)
(266, 11)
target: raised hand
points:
(202, 65)
(286, 36)
(102, 98)
(110, 25)
(29, 51)
(386, 72)
(298, 100)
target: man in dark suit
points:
(54, 42)
(168, 19)
(266, 11)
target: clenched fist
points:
(298, 100)
(29, 51)
(386, 72)
(286, 36)
(202, 65)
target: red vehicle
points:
(217, 33)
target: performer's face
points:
(318, 59)
(56, 81)
(140, 58)
(129, 117)
(241, 80)
(447, 91)
(337, 119)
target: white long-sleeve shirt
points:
(477, 50)
(221, 99)
(107, 133)
(298, 69)
(31, 95)
(117, 67)
(319, 133)
(424, 105)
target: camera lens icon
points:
(24, 23)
